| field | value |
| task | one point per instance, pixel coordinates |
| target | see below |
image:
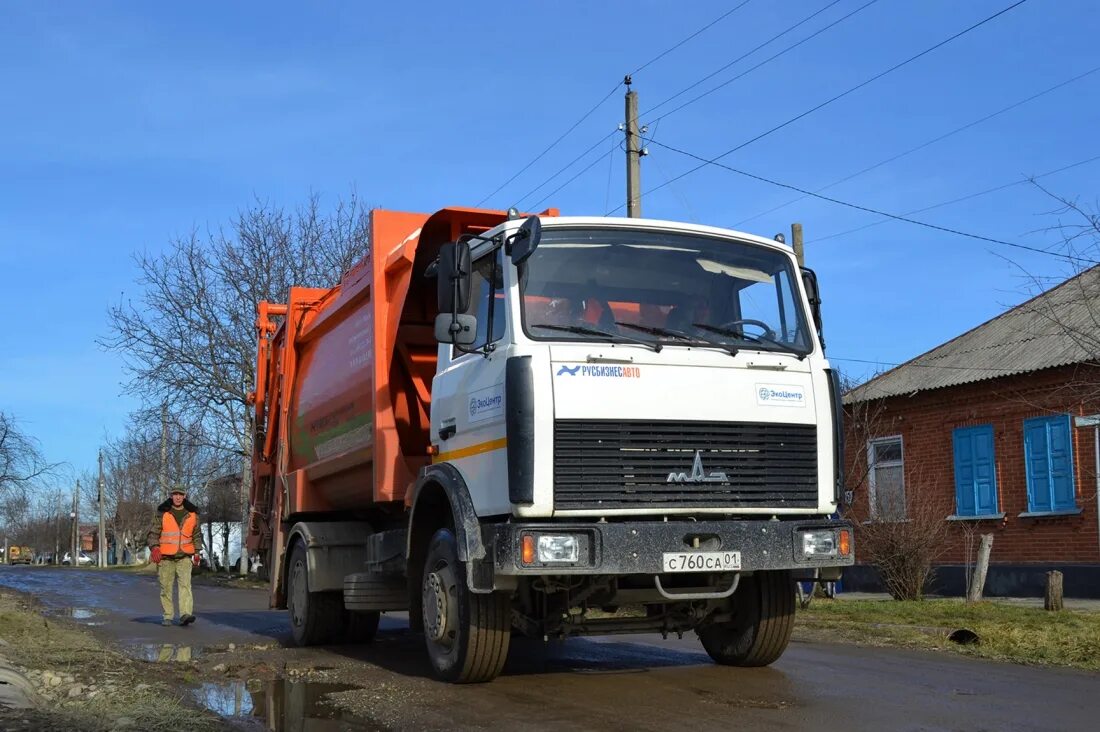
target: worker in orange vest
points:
(175, 541)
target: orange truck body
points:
(343, 380)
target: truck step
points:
(368, 591)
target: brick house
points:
(997, 430)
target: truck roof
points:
(606, 222)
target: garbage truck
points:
(548, 426)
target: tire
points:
(315, 617)
(466, 634)
(763, 617)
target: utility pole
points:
(634, 154)
(796, 242)
(57, 530)
(74, 555)
(102, 538)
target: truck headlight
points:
(820, 544)
(551, 549)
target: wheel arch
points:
(333, 549)
(441, 494)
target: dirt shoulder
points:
(1004, 632)
(83, 684)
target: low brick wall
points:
(1081, 581)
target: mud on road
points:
(237, 663)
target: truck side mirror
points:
(809, 281)
(457, 328)
(452, 279)
(524, 242)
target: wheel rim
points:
(297, 592)
(440, 610)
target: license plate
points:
(702, 561)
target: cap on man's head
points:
(178, 489)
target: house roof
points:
(1056, 328)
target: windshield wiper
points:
(612, 337)
(750, 338)
(690, 339)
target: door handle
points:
(448, 431)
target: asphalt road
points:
(632, 682)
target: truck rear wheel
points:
(314, 616)
(467, 634)
(763, 617)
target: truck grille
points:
(605, 464)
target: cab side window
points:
(487, 295)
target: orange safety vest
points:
(174, 538)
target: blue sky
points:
(125, 124)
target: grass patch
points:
(1006, 632)
(125, 688)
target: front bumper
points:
(637, 547)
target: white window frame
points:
(871, 472)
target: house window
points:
(975, 471)
(1048, 457)
(887, 476)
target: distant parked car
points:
(84, 559)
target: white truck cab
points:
(641, 414)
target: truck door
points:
(468, 394)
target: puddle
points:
(78, 613)
(282, 705)
(165, 653)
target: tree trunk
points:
(1054, 591)
(246, 485)
(210, 543)
(225, 547)
(977, 582)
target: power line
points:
(607, 96)
(725, 83)
(859, 207)
(928, 143)
(759, 65)
(706, 27)
(567, 166)
(920, 365)
(584, 170)
(960, 199)
(838, 97)
(551, 146)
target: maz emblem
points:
(697, 474)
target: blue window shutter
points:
(1061, 464)
(964, 474)
(1036, 458)
(985, 470)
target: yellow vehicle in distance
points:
(20, 555)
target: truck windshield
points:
(669, 288)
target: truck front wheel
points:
(467, 634)
(763, 617)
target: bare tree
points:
(21, 462)
(905, 552)
(863, 420)
(133, 481)
(905, 542)
(1067, 318)
(189, 337)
